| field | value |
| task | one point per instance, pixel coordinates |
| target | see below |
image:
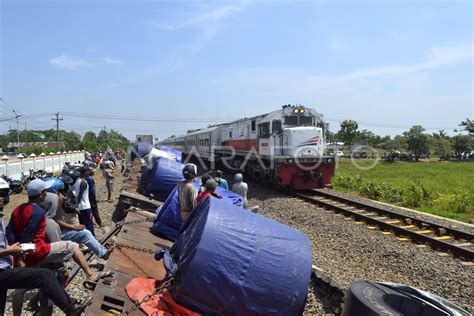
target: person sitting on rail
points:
(211, 186)
(204, 178)
(27, 225)
(27, 278)
(67, 219)
(50, 207)
(81, 187)
(221, 181)
(187, 192)
(240, 187)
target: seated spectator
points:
(67, 219)
(27, 278)
(27, 225)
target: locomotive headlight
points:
(301, 111)
(296, 111)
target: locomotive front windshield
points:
(297, 120)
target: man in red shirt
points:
(27, 225)
(13, 278)
(210, 186)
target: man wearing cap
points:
(27, 225)
(83, 203)
(27, 278)
(211, 186)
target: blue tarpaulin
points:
(141, 149)
(178, 154)
(233, 262)
(160, 178)
(168, 217)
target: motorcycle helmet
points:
(4, 191)
(190, 171)
(73, 174)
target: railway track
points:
(407, 228)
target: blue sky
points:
(386, 64)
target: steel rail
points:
(462, 252)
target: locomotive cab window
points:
(264, 130)
(306, 121)
(291, 120)
(276, 126)
(253, 124)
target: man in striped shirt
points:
(27, 278)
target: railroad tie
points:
(442, 237)
(424, 232)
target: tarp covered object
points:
(155, 153)
(160, 178)
(234, 262)
(141, 149)
(178, 154)
(168, 217)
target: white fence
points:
(54, 163)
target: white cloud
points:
(68, 62)
(207, 21)
(400, 95)
(203, 17)
(109, 60)
(438, 57)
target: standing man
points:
(240, 187)
(221, 181)
(83, 204)
(187, 192)
(108, 172)
(93, 198)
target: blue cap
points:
(37, 186)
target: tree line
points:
(91, 141)
(415, 141)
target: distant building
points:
(13, 147)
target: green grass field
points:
(449, 185)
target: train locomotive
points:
(285, 147)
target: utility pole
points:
(105, 130)
(57, 119)
(17, 130)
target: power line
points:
(142, 119)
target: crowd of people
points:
(189, 197)
(48, 230)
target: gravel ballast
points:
(350, 252)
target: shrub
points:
(462, 203)
(417, 195)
